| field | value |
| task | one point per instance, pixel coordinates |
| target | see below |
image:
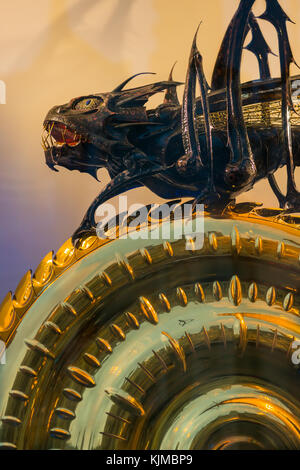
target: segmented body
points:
(211, 148)
(262, 114)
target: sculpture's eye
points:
(88, 103)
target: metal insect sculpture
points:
(211, 148)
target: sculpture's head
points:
(86, 133)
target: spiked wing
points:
(278, 18)
(259, 47)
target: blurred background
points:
(53, 50)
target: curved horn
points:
(121, 86)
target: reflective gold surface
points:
(142, 344)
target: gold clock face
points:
(123, 344)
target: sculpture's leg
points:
(241, 170)
(197, 158)
(276, 190)
(123, 182)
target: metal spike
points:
(171, 96)
(259, 47)
(190, 138)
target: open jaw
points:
(57, 134)
(67, 148)
(64, 147)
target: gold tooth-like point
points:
(235, 291)
(288, 302)
(224, 335)
(252, 292)
(148, 310)
(87, 292)
(182, 297)
(290, 348)
(38, 347)
(19, 395)
(118, 418)
(257, 336)
(28, 371)
(52, 326)
(146, 255)
(106, 279)
(206, 338)
(60, 433)
(65, 255)
(126, 401)
(68, 308)
(274, 342)
(242, 332)
(165, 302)
(11, 420)
(135, 385)
(168, 249)
(199, 292)
(271, 296)
(92, 360)
(81, 376)
(132, 320)
(7, 446)
(161, 360)
(44, 271)
(123, 262)
(113, 436)
(280, 250)
(258, 245)
(179, 352)
(72, 394)
(190, 244)
(213, 242)
(104, 345)
(118, 332)
(7, 314)
(65, 414)
(147, 372)
(87, 243)
(236, 244)
(24, 292)
(188, 337)
(217, 291)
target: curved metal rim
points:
(15, 306)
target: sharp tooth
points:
(50, 136)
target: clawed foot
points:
(238, 175)
(212, 202)
(292, 202)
